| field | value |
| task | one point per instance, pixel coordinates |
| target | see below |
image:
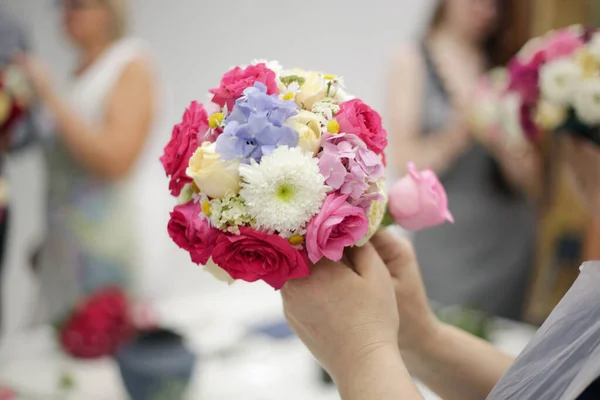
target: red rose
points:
(238, 79)
(358, 118)
(185, 139)
(192, 233)
(98, 326)
(254, 255)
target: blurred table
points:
(233, 363)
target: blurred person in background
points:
(485, 259)
(101, 128)
(18, 135)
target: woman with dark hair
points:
(484, 260)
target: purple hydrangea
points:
(256, 126)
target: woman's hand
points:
(35, 71)
(452, 363)
(418, 324)
(345, 313)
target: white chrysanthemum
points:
(587, 102)
(228, 213)
(326, 108)
(558, 80)
(284, 191)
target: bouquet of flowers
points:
(15, 97)
(280, 168)
(552, 85)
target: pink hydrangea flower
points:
(350, 167)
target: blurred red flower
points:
(98, 326)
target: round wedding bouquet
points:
(15, 97)
(552, 85)
(279, 169)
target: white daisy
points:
(587, 102)
(284, 191)
(558, 80)
(289, 92)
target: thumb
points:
(366, 261)
(394, 251)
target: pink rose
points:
(185, 139)
(419, 200)
(337, 226)
(253, 255)
(192, 232)
(562, 43)
(237, 80)
(358, 118)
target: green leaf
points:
(288, 80)
(388, 220)
(67, 382)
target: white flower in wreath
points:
(587, 102)
(559, 79)
(594, 45)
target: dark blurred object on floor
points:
(156, 365)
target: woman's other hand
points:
(418, 324)
(35, 71)
(345, 313)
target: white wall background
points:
(193, 43)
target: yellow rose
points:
(312, 89)
(308, 126)
(213, 176)
(549, 116)
(375, 213)
(218, 273)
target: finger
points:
(366, 261)
(393, 249)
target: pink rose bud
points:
(419, 200)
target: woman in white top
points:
(102, 128)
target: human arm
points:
(110, 149)
(452, 363)
(437, 150)
(346, 315)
